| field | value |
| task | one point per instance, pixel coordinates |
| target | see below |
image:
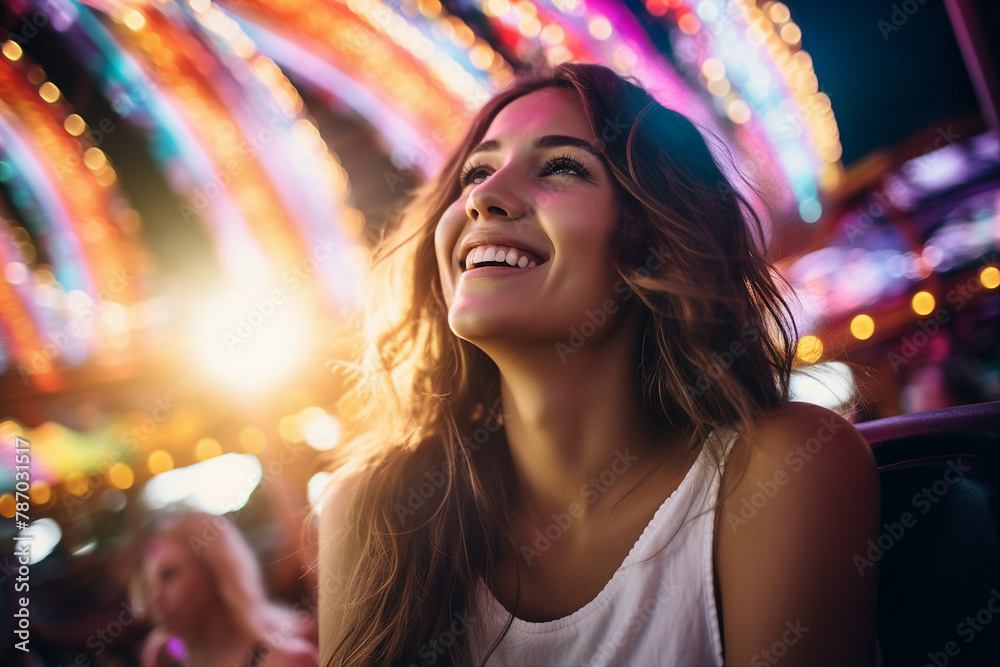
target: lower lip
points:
(487, 271)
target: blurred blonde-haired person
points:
(203, 587)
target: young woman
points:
(206, 594)
(590, 337)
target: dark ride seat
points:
(939, 549)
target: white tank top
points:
(657, 610)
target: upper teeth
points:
(498, 253)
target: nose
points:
(495, 198)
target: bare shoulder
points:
(817, 459)
(337, 558)
(334, 504)
(810, 451)
(293, 652)
(789, 531)
(796, 425)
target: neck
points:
(213, 639)
(575, 426)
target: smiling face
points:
(179, 588)
(537, 197)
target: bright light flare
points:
(251, 342)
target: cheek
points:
(440, 242)
(581, 228)
(446, 237)
(591, 205)
(583, 269)
(441, 260)
(191, 582)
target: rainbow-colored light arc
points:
(60, 161)
(195, 91)
(188, 164)
(256, 174)
(400, 134)
(60, 242)
(414, 92)
(65, 189)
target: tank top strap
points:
(693, 498)
(726, 438)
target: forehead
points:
(163, 552)
(545, 111)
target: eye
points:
(565, 164)
(554, 165)
(473, 173)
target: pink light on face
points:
(154, 547)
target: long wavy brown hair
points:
(428, 517)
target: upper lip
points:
(494, 238)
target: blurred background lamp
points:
(829, 384)
(923, 303)
(990, 277)
(810, 348)
(862, 326)
(219, 485)
(316, 485)
(320, 430)
(46, 535)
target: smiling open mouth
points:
(498, 255)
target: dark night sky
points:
(885, 87)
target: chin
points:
(476, 326)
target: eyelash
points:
(553, 163)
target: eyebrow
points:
(548, 141)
